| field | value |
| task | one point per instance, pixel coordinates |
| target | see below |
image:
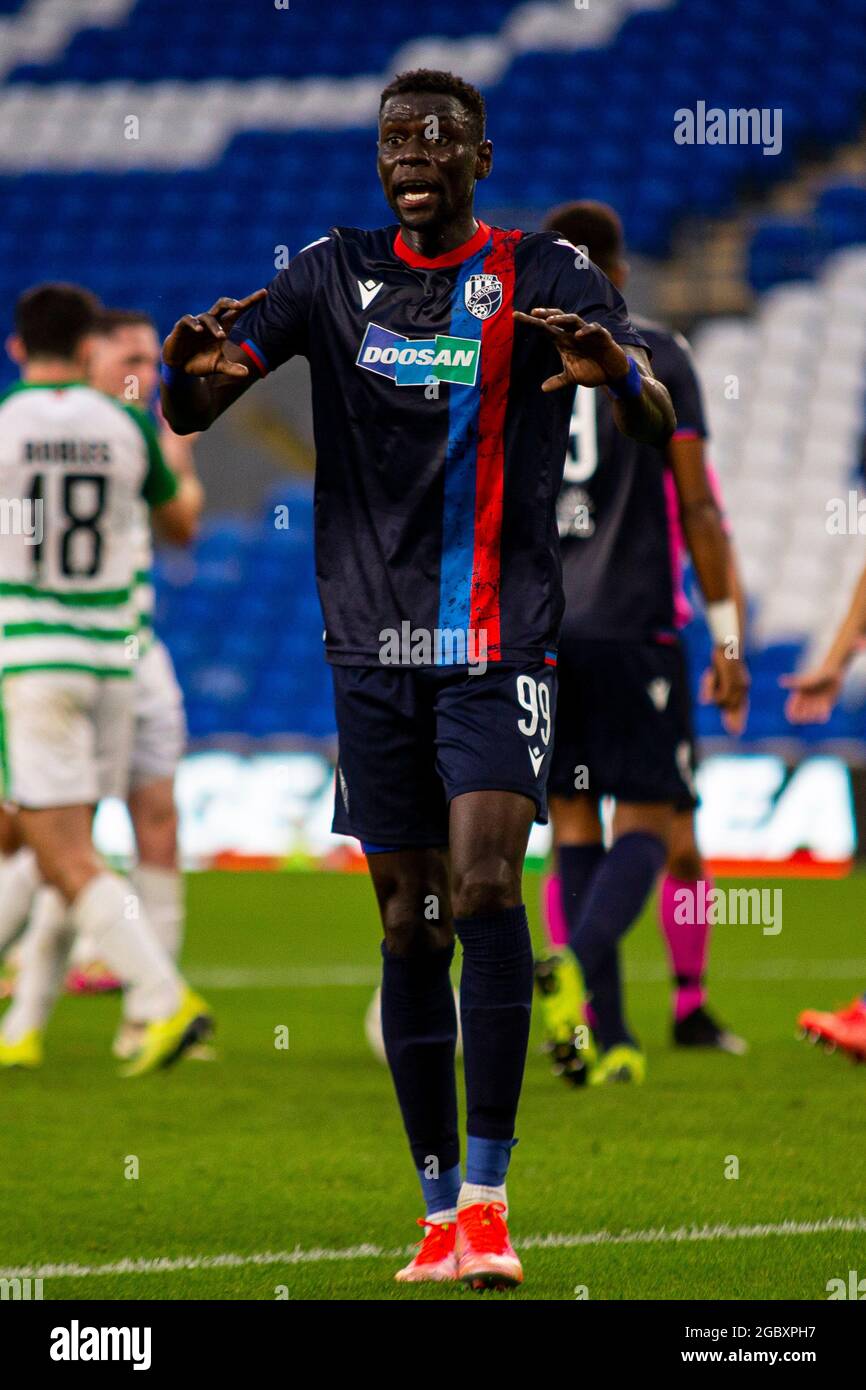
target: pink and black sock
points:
(683, 918)
(553, 913)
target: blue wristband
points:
(174, 376)
(628, 386)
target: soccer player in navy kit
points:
(442, 384)
(623, 725)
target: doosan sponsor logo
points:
(77, 1343)
(417, 361)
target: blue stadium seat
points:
(784, 250)
(841, 214)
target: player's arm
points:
(203, 373)
(174, 522)
(188, 504)
(727, 682)
(738, 590)
(591, 356)
(814, 693)
(174, 510)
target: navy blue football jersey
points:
(619, 538)
(438, 457)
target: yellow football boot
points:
(621, 1063)
(25, 1053)
(166, 1039)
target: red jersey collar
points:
(460, 253)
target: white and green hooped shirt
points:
(76, 468)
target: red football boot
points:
(844, 1028)
(436, 1260)
(485, 1256)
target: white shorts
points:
(65, 738)
(160, 727)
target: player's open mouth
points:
(416, 195)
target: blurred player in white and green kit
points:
(74, 466)
(124, 363)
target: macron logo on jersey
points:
(413, 361)
(368, 289)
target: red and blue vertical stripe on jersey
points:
(470, 582)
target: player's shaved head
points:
(594, 225)
(52, 320)
(440, 83)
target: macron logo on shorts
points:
(659, 692)
(536, 757)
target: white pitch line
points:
(324, 977)
(282, 977)
(659, 1235)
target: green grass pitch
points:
(271, 1151)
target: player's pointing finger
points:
(224, 302)
(536, 322)
(229, 317)
(251, 299)
(571, 322)
(213, 323)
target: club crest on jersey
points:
(416, 361)
(482, 295)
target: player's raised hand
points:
(725, 683)
(813, 694)
(590, 356)
(195, 344)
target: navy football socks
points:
(419, 1029)
(495, 1004)
(577, 865)
(619, 888)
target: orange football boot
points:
(485, 1256)
(844, 1028)
(436, 1260)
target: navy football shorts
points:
(624, 715)
(413, 739)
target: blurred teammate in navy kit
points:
(623, 723)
